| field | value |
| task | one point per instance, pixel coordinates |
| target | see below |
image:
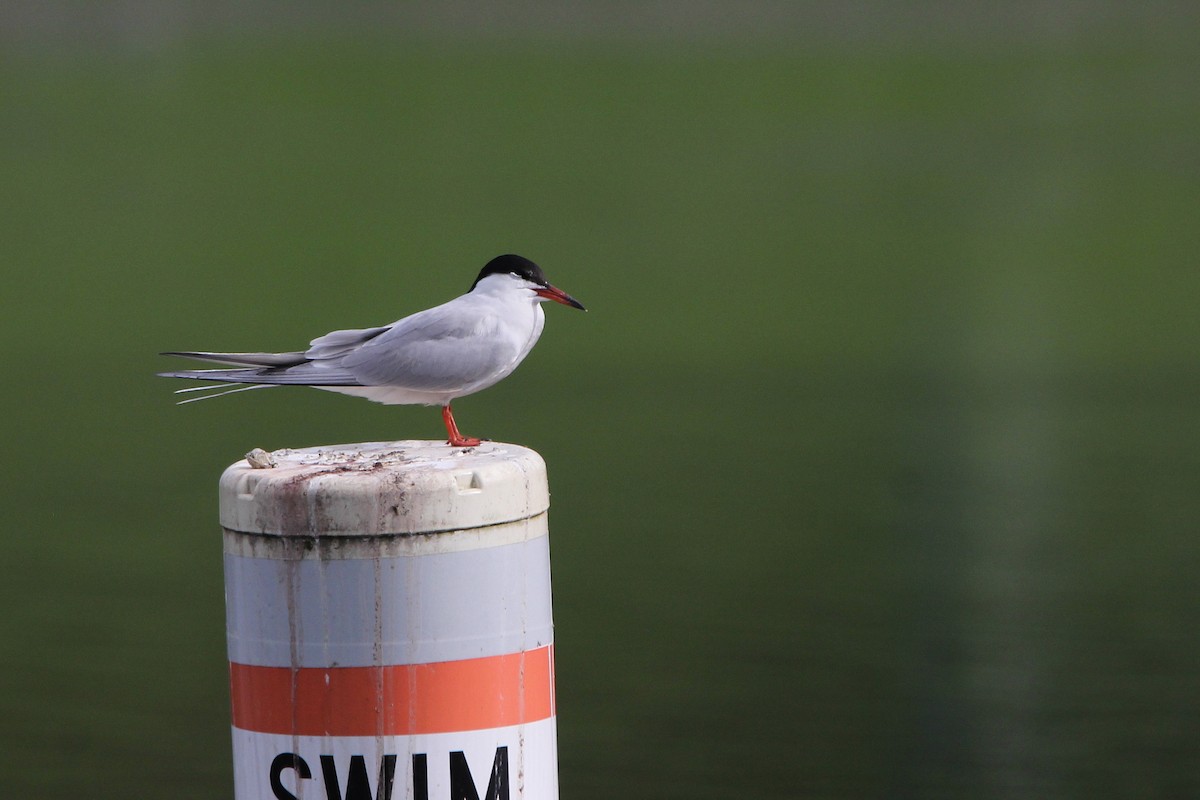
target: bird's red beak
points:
(559, 296)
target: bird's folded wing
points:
(244, 359)
(339, 343)
(432, 352)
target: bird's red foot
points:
(456, 438)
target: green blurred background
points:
(875, 462)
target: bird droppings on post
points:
(260, 459)
(424, 480)
(367, 457)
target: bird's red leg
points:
(456, 438)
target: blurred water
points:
(873, 461)
(977, 595)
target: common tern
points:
(429, 358)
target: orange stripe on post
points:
(395, 700)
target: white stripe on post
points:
(389, 623)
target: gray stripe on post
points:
(400, 610)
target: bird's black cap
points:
(515, 265)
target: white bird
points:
(429, 358)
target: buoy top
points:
(382, 488)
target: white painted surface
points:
(532, 761)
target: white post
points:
(389, 623)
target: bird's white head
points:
(502, 273)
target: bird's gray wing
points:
(433, 351)
(244, 359)
(317, 366)
(337, 343)
(320, 365)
